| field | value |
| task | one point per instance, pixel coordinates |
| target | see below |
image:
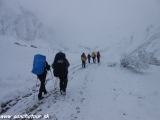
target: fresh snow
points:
(104, 91)
(96, 92)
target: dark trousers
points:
(63, 82)
(88, 60)
(83, 64)
(42, 88)
(93, 59)
(98, 58)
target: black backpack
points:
(59, 65)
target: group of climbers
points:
(60, 69)
(84, 58)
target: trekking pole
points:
(55, 83)
(52, 76)
(35, 89)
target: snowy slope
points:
(20, 22)
(96, 92)
(14, 67)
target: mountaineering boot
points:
(63, 92)
(45, 92)
(40, 98)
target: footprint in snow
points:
(82, 100)
(78, 109)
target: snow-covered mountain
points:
(20, 22)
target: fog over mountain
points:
(86, 23)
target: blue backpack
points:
(39, 63)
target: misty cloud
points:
(90, 21)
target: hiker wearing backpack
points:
(83, 58)
(40, 68)
(98, 57)
(93, 57)
(60, 66)
(89, 57)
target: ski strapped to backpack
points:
(39, 63)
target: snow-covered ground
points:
(96, 92)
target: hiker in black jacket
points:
(89, 57)
(60, 66)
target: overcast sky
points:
(94, 21)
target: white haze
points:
(92, 22)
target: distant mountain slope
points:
(17, 21)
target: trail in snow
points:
(28, 104)
(97, 92)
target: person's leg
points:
(42, 86)
(65, 81)
(61, 83)
(41, 89)
(83, 64)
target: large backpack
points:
(93, 54)
(39, 63)
(83, 57)
(59, 65)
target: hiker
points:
(83, 58)
(89, 56)
(60, 66)
(98, 57)
(93, 57)
(40, 68)
(42, 79)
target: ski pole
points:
(52, 77)
(54, 82)
(51, 73)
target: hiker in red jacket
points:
(98, 57)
